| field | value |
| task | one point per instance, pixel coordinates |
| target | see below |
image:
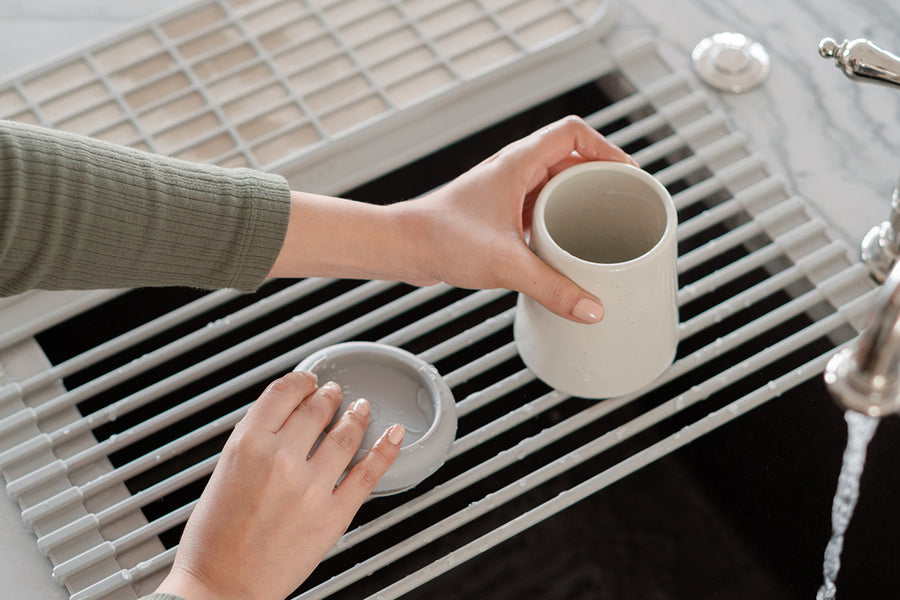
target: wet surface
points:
(743, 513)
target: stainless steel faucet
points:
(866, 378)
(861, 60)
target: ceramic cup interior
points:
(401, 389)
(605, 218)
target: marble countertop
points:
(836, 142)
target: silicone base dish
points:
(401, 388)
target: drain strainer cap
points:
(730, 62)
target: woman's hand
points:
(477, 223)
(469, 233)
(271, 510)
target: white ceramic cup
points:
(611, 228)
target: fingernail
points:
(360, 407)
(395, 434)
(332, 388)
(588, 310)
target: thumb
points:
(556, 292)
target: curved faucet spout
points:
(866, 378)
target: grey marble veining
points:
(835, 141)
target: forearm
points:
(76, 213)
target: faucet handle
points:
(880, 248)
(861, 60)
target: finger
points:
(279, 400)
(539, 152)
(570, 161)
(343, 440)
(363, 477)
(311, 417)
(554, 291)
(585, 140)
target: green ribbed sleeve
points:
(78, 213)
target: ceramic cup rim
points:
(539, 222)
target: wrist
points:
(335, 237)
(186, 585)
(411, 226)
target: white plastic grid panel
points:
(257, 83)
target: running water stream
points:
(860, 429)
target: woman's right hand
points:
(273, 508)
(475, 227)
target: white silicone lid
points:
(400, 388)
